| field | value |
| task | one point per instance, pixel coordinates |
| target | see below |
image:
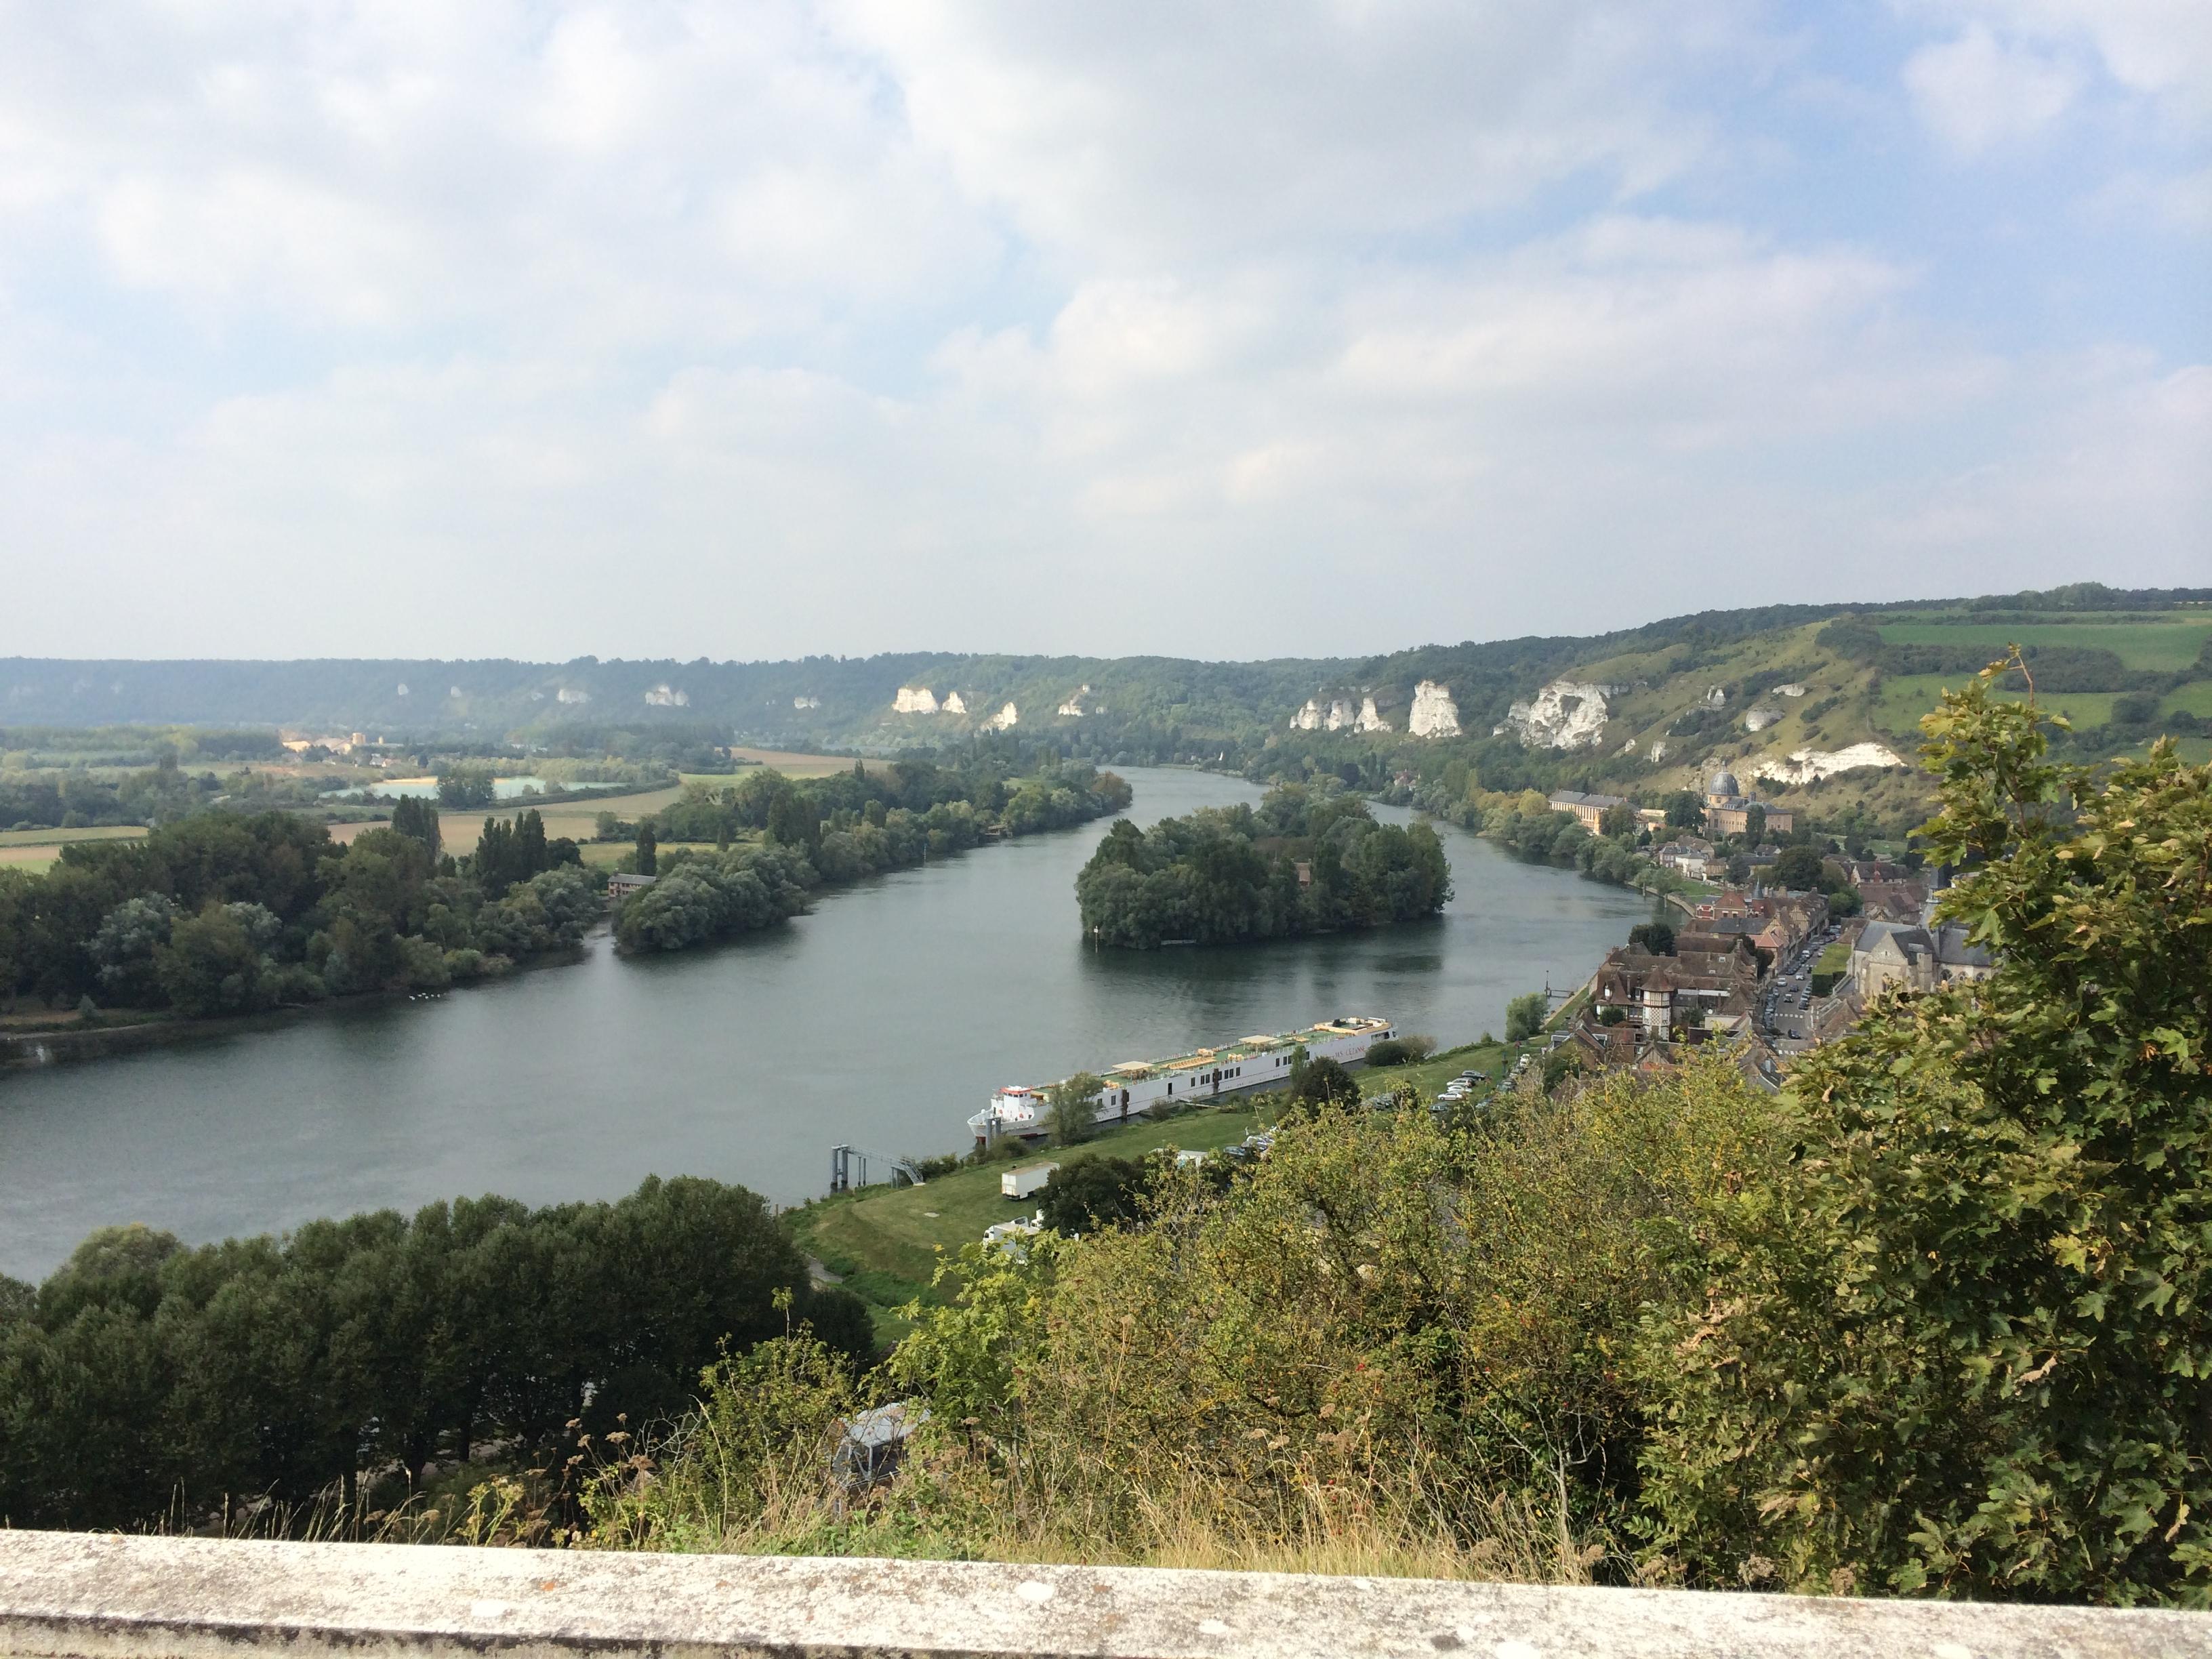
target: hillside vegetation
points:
(1813, 706)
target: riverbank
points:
(884, 1243)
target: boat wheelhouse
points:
(1136, 1087)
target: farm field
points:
(1904, 699)
(791, 765)
(62, 837)
(39, 850)
(2162, 645)
(577, 819)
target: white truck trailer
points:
(1021, 1183)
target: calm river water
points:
(882, 1019)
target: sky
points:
(758, 328)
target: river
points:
(884, 1018)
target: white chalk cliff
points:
(1434, 714)
(1760, 718)
(1005, 719)
(666, 696)
(571, 693)
(1073, 708)
(1564, 714)
(1804, 765)
(954, 704)
(914, 700)
(806, 702)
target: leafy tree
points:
(1525, 1015)
(1071, 1108)
(1962, 1344)
(124, 948)
(211, 963)
(1686, 810)
(1754, 825)
(1656, 937)
(416, 817)
(1799, 870)
(1086, 1194)
(648, 850)
(1619, 824)
(462, 785)
(1322, 1083)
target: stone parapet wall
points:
(87, 1595)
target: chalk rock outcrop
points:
(954, 703)
(1073, 708)
(914, 700)
(806, 702)
(1434, 714)
(1793, 689)
(1006, 720)
(1804, 765)
(1659, 750)
(1370, 718)
(572, 693)
(1564, 714)
(667, 696)
(1760, 718)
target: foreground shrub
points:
(1964, 1342)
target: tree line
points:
(146, 1381)
(839, 829)
(1305, 860)
(226, 913)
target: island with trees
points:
(1308, 860)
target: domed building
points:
(1728, 809)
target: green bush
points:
(1962, 1343)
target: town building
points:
(1918, 956)
(1728, 809)
(1590, 810)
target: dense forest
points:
(147, 1382)
(1303, 862)
(226, 913)
(837, 829)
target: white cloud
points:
(1129, 135)
(676, 328)
(2157, 49)
(1975, 93)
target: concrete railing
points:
(83, 1596)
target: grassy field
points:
(39, 850)
(884, 1241)
(62, 837)
(1906, 697)
(784, 761)
(2163, 644)
(577, 819)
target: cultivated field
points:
(577, 819)
(2166, 644)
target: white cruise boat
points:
(1135, 1086)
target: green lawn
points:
(2167, 644)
